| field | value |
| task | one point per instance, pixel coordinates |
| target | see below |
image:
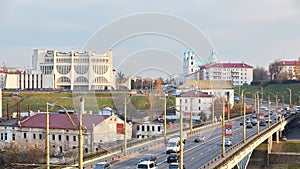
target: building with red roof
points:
(97, 129)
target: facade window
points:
(34, 137)
(13, 137)
(25, 135)
(185, 108)
(153, 128)
(199, 108)
(59, 137)
(148, 128)
(137, 127)
(67, 138)
(40, 136)
(158, 129)
(199, 101)
(5, 136)
(1, 136)
(185, 100)
(53, 137)
(74, 138)
(143, 128)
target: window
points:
(199, 108)
(143, 128)
(199, 101)
(153, 128)
(185, 108)
(74, 138)
(1, 136)
(148, 128)
(40, 136)
(185, 100)
(25, 135)
(67, 138)
(158, 129)
(34, 137)
(5, 136)
(59, 137)
(13, 136)
(137, 127)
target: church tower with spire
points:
(188, 62)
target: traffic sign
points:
(261, 116)
(228, 129)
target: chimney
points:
(28, 110)
(7, 113)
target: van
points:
(173, 145)
(146, 165)
(184, 136)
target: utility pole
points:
(269, 111)
(258, 121)
(213, 110)
(191, 119)
(165, 119)
(223, 130)
(80, 140)
(290, 90)
(125, 128)
(181, 143)
(47, 139)
(244, 110)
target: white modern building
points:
(67, 71)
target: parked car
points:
(199, 138)
(175, 166)
(102, 165)
(228, 141)
(148, 157)
(173, 157)
(146, 165)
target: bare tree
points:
(274, 70)
(259, 73)
(121, 78)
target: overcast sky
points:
(254, 31)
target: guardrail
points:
(232, 151)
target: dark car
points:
(199, 138)
(148, 157)
(173, 158)
(175, 166)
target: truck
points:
(173, 145)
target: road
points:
(195, 154)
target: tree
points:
(297, 69)
(274, 70)
(121, 78)
(259, 73)
(159, 84)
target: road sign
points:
(228, 129)
(261, 116)
(291, 105)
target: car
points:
(148, 157)
(262, 123)
(146, 165)
(199, 138)
(175, 166)
(173, 157)
(228, 141)
(102, 165)
(254, 121)
(267, 120)
(249, 125)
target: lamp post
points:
(181, 144)
(125, 128)
(290, 90)
(269, 111)
(223, 130)
(244, 112)
(213, 110)
(258, 121)
(165, 117)
(80, 136)
(47, 139)
(276, 102)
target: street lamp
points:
(290, 90)
(165, 117)
(80, 138)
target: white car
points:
(146, 165)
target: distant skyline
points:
(254, 31)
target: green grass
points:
(291, 147)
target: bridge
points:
(204, 155)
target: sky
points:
(254, 31)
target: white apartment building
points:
(194, 102)
(288, 67)
(67, 71)
(238, 73)
(148, 129)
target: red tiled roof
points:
(195, 94)
(227, 65)
(61, 121)
(287, 63)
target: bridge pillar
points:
(277, 136)
(270, 144)
(244, 162)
